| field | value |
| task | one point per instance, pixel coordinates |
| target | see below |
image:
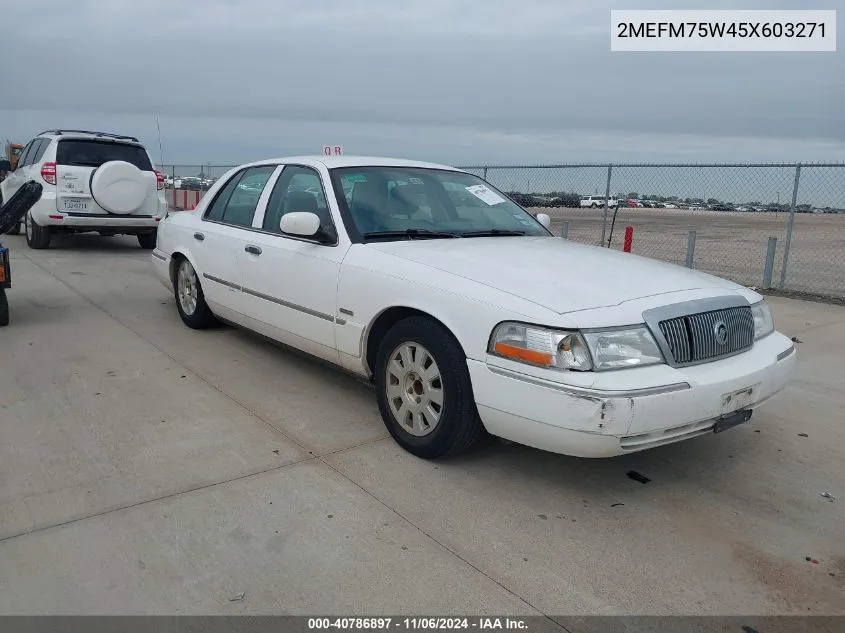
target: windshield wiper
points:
(491, 233)
(409, 234)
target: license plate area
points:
(731, 420)
(78, 205)
(740, 399)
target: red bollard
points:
(629, 238)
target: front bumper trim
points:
(585, 392)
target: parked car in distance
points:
(459, 314)
(92, 182)
(522, 199)
(595, 202)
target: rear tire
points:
(147, 240)
(4, 308)
(424, 390)
(37, 237)
(190, 300)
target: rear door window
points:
(93, 153)
(243, 200)
(44, 143)
(218, 205)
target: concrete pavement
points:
(149, 468)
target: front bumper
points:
(161, 268)
(588, 422)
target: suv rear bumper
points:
(45, 214)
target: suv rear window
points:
(90, 153)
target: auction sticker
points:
(485, 195)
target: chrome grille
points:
(692, 338)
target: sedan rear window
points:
(90, 153)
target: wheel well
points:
(382, 325)
(174, 263)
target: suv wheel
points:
(147, 240)
(36, 236)
(424, 390)
(190, 300)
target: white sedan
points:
(466, 313)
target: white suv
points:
(596, 202)
(93, 182)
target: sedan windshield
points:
(394, 203)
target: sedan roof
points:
(332, 162)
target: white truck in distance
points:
(597, 202)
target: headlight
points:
(764, 324)
(540, 347)
(575, 351)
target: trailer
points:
(10, 215)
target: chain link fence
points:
(772, 226)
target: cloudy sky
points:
(458, 81)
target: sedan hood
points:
(557, 274)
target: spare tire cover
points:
(119, 187)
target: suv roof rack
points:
(101, 134)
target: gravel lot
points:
(149, 468)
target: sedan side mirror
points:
(301, 223)
(544, 219)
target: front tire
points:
(148, 240)
(37, 237)
(424, 390)
(190, 300)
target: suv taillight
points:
(159, 180)
(48, 173)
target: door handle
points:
(199, 236)
(249, 248)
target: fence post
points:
(690, 248)
(770, 263)
(564, 232)
(484, 174)
(606, 196)
(789, 226)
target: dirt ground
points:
(731, 245)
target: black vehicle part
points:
(18, 205)
(4, 308)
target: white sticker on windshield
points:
(485, 195)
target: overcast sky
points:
(457, 81)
